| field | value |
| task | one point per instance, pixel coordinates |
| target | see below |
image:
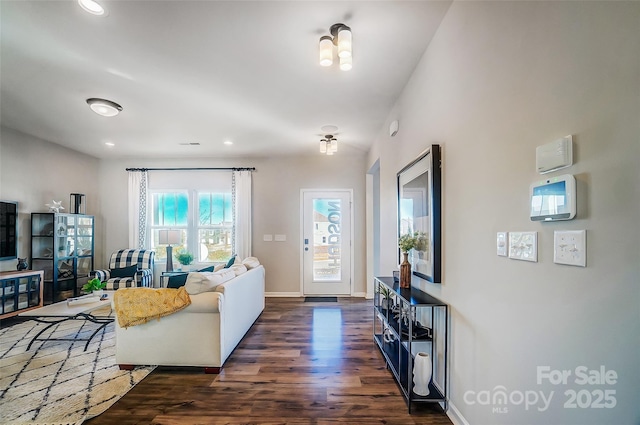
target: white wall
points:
(276, 206)
(499, 79)
(34, 172)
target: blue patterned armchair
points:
(143, 276)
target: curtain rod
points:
(194, 169)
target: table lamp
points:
(168, 237)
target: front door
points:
(326, 242)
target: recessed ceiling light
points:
(228, 142)
(104, 107)
(92, 7)
(110, 144)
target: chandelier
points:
(341, 38)
(328, 145)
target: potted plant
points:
(94, 286)
(409, 241)
(185, 258)
(386, 302)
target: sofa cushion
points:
(219, 267)
(128, 271)
(198, 282)
(251, 262)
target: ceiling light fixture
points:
(329, 129)
(228, 142)
(341, 38)
(104, 107)
(92, 7)
(328, 145)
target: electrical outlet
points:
(267, 238)
(570, 247)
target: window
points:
(215, 226)
(169, 210)
(200, 206)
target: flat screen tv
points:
(8, 230)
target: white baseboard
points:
(299, 295)
(283, 294)
(456, 417)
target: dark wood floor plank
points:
(300, 364)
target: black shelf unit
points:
(406, 340)
(19, 291)
(62, 245)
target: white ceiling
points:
(206, 72)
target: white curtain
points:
(138, 209)
(242, 213)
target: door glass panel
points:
(327, 222)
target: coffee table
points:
(61, 312)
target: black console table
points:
(407, 321)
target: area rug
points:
(56, 382)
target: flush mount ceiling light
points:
(329, 129)
(328, 145)
(340, 38)
(104, 107)
(92, 7)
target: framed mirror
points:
(419, 211)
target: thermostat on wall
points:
(555, 155)
(553, 198)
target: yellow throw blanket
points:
(136, 306)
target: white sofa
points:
(204, 334)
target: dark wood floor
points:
(301, 363)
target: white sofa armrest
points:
(242, 305)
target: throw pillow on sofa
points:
(238, 269)
(251, 262)
(207, 269)
(129, 271)
(177, 280)
(231, 261)
(206, 282)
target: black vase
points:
(22, 264)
